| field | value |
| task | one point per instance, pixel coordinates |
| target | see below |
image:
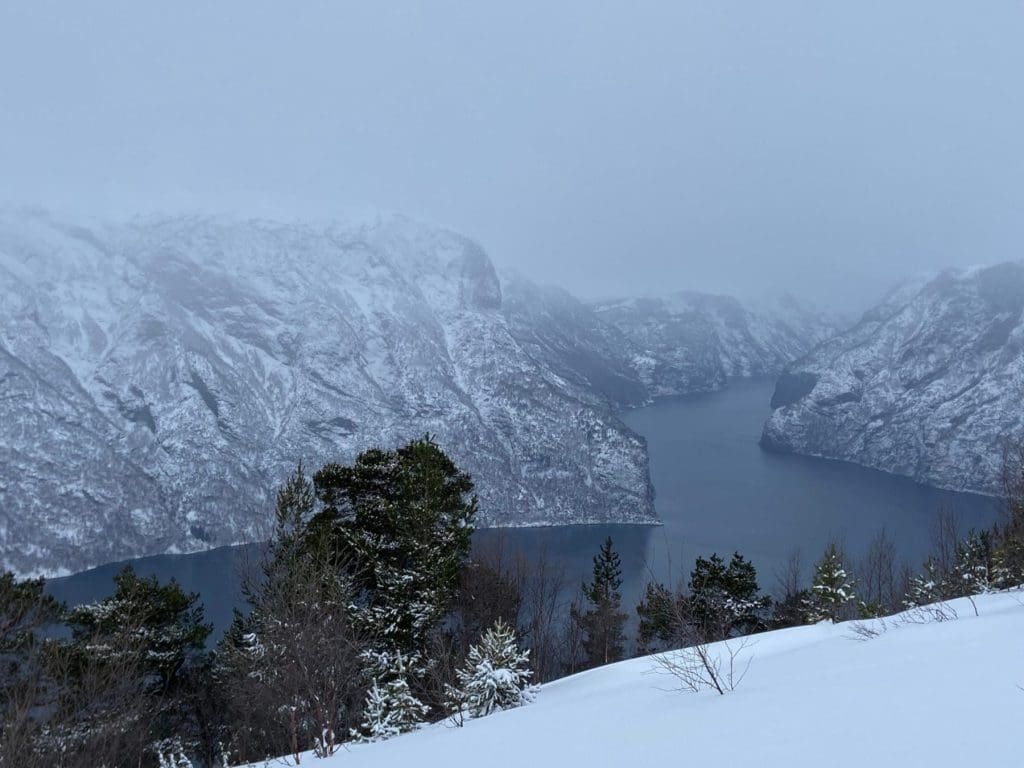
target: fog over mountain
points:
(614, 148)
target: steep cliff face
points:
(929, 384)
(159, 378)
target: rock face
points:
(930, 384)
(158, 378)
(691, 342)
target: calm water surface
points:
(716, 491)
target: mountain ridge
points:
(928, 384)
(161, 375)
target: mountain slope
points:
(692, 342)
(928, 385)
(942, 695)
(160, 377)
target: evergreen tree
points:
(390, 707)
(661, 620)
(1008, 534)
(160, 623)
(726, 600)
(975, 572)
(24, 608)
(402, 522)
(832, 592)
(927, 587)
(603, 621)
(495, 676)
(293, 671)
(126, 681)
(791, 610)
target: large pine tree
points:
(401, 521)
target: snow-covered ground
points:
(917, 694)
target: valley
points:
(716, 490)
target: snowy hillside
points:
(161, 376)
(929, 384)
(937, 694)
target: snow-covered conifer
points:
(926, 587)
(391, 708)
(495, 677)
(832, 591)
(170, 754)
(974, 572)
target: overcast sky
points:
(634, 147)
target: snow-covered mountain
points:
(929, 384)
(692, 342)
(905, 692)
(160, 377)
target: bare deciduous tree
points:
(719, 667)
(946, 539)
(877, 579)
(300, 654)
(542, 620)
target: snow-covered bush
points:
(170, 754)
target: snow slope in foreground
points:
(933, 694)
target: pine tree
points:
(161, 623)
(926, 587)
(603, 622)
(24, 608)
(1008, 534)
(293, 670)
(390, 707)
(791, 610)
(974, 572)
(832, 592)
(495, 676)
(402, 521)
(726, 600)
(661, 617)
(130, 671)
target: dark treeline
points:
(368, 615)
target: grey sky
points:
(613, 148)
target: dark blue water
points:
(717, 491)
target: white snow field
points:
(918, 694)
